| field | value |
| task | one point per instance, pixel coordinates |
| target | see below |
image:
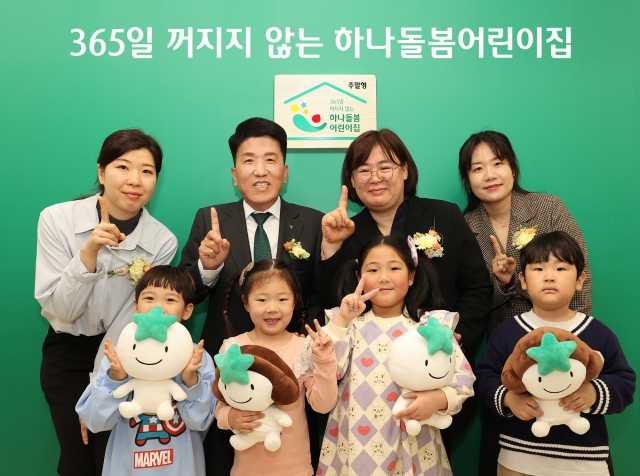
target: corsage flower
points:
(430, 243)
(295, 249)
(134, 271)
(523, 235)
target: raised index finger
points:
(496, 245)
(104, 213)
(344, 197)
(215, 227)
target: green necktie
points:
(261, 247)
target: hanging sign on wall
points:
(324, 111)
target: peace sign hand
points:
(105, 233)
(353, 305)
(336, 226)
(322, 344)
(213, 249)
(502, 266)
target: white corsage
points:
(295, 249)
(134, 271)
(523, 235)
(430, 243)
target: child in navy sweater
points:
(552, 271)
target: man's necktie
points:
(261, 247)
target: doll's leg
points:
(579, 425)
(130, 409)
(165, 411)
(540, 428)
(413, 427)
(272, 441)
(438, 421)
(241, 442)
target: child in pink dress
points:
(271, 294)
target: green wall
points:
(572, 122)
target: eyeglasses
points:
(384, 172)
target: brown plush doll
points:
(255, 378)
(550, 364)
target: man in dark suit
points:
(225, 238)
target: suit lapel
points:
(416, 221)
(290, 228)
(366, 227)
(234, 229)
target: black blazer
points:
(301, 223)
(464, 278)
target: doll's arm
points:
(98, 407)
(176, 391)
(124, 389)
(280, 416)
(197, 410)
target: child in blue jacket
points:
(172, 447)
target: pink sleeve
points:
(222, 415)
(321, 383)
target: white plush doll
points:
(255, 378)
(423, 359)
(153, 349)
(550, 364)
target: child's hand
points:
(580, 400)
(322, 344)
(353, 305)
(244, 421)
(189, 374)
(426, 403)
(522, 405)
(117, 372)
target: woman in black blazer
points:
(379, 173)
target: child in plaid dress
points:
(362, 435)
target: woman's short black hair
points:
(392, 148)
(557, 243)
(499, 145)
(120, 142)
(168, 277)
(258, 127)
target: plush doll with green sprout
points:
(153, 349)
(255, 378)
(550, 364)
(423, 359)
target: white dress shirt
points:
(76, 301)
(271, 227)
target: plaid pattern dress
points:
(549, 214)
(362, 437)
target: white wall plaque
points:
(323, 111)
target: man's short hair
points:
(258, 127)
(557, 243)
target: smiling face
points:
(384, 269)
(551, 284)
(411, 366)
(270, 305)
(491, 178)
(556, 384)
(380, 195)
(254, 396)
(168, 299)
(129, 182)
(260, 171)
(150, 359)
